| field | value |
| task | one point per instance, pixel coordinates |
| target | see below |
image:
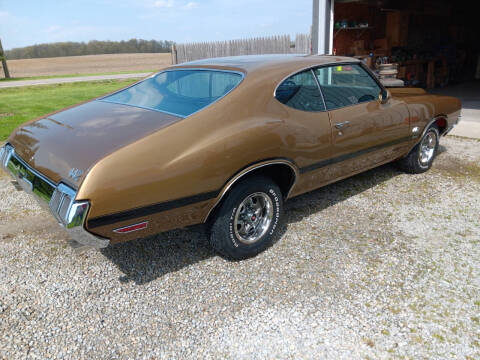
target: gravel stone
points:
(381, 265)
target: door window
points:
(345, 85)
(301, 92)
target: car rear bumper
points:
(59, 199)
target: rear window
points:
(179, 92)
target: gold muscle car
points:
(222, 141)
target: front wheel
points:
(248, 219)
(420, 159)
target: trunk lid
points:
(65, 145)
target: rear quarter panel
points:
(196, 155)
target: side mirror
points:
(384, 96)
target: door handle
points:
(341, 125)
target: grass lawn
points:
(76, 75)
(21, 104)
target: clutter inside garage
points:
(422, 43)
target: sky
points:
(28, 22)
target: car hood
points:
(78, 137)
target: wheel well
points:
(283, 175)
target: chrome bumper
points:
(58, 199)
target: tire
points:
(247, 221)
(421, 157)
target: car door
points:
(307, 126)
(365, 130)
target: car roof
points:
(251, 63)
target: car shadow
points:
(147, 259)
(313, 202)
(441, 149)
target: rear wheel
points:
(247, 221)
(421, 157)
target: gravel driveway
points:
(381, 265)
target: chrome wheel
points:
(427, 148)
(253, 217)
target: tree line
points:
(93, 47)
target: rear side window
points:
(179, 92)
(345, 85)
(301, 92)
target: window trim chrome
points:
(311, 67)
(332, 64)
(319, 89)
(242, 74)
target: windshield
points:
(179, 92)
